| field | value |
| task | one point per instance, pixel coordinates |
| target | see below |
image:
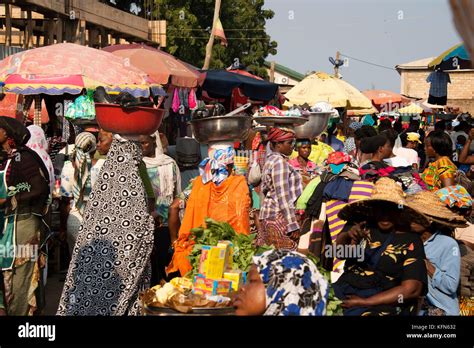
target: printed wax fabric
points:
(110, 264)
(293, 284)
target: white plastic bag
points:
(255, 174)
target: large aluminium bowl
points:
(221, 128)
(316, 124)
(128, 121)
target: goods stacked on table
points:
(220, 261)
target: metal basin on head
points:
(317, 123)
(221, 128)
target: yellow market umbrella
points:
(411, 109)
(322, 87)
(362, 112)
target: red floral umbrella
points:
(68, 68)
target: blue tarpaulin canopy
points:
(220, 83)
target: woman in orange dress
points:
(217, 193)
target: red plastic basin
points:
(132, 121)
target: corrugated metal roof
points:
(286, 71)
(417, 64)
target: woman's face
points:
(386, 150)
(148, 146)
(385, 217)
(105, 140)
(430, 152)
(251, 299)
(3, 136)
(304, 151)
(286, 147)
(412, 145)
(417, 228)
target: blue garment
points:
(439, 83)
(443, 252)
(186, 177)
(339, 189)
(336, 144)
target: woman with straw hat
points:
(389, 274)
(443, 257)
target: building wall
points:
(279, 79)
(460, 90)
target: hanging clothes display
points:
(438, 94)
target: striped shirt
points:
(360, 190)
(281, 186)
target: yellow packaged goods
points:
(230, 252)
(182, 284)
(223, 287)
(237, 278)
(206, 286)
(216, 262)
(203, 285)
(203, 259)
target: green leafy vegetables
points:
(212, 233)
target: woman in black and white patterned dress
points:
(111, 260)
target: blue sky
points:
(384, 32)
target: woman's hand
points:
(430, 268)
(358, 232)
(354, 301)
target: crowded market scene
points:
(135, 184)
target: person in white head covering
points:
(165, 178)
(38, 144)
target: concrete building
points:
(460, 91)
(285, 77)
(35, 23)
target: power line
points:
(225, 29)
(366, 62)
(207, 37)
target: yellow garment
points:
(229, 202)
(319, 153)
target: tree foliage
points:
(188, 29)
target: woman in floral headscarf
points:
(217, 194)
(283, 283)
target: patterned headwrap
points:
(455, 196)
(39, 144)
(293, 284)
(15, 130)
(302, 142)
(349, 145)
(355, 125)
(214, 167)
(85, 146)
(277, 135)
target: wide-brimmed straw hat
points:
(430, 205)
(386, 192)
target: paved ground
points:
(54, 287)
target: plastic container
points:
(132, 121)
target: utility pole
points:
(210, 44)
(272, 71)
(336, 66)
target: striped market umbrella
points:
(454, 58)
(69, 68)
